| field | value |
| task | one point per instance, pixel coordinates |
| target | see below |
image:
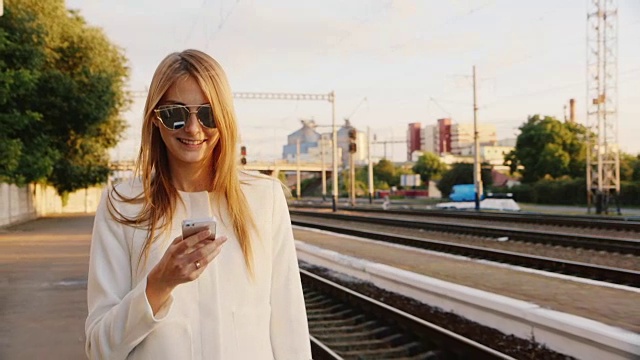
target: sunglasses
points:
(174, 117)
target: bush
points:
(567, 191)
(629, 193)
(560, 191)
(522, 193)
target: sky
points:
(390, 63)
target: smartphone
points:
(193, 226)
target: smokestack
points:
(572, 110)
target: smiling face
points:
(190, 147)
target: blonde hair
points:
(160, 196)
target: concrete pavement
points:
(43, 288)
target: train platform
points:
(45, 261)
(610, 304)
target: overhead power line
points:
(440, 106)
(223, 20)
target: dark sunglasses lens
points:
(205, 114)
(174, 117)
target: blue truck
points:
(464, 192)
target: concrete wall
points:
(16, 204)
(19, 204)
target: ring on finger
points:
(198, 265)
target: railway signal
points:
(243, 155)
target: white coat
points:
(224, 314)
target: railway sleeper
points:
(367, 326)
(322, 310)
(328, 315)
(404, 350)
(339, 344)
(375, 332)
(318, 303)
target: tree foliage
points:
(547, 147)
(462, 173)
(362, 180)
(429, 166)
(629, 167)
(635, 176)
(385, 171)
(61, 93)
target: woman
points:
(153, 294)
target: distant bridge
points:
(274, 167)
(268, 167)
(122, 165)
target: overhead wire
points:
(223, 20)
(530, 55)
(193, 23)
(555, 88)
(440, 106)
(364, 99)
(443, 25)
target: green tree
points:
(462, 173)
(429, 166)
(385, 171)
(61, 93)
(629, 167)
(361, 184)
(548, 147)
(636, 169)
(22, 53)
(362, 180)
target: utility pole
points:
(477, 172)
(603, 155)
(334, 175)
(324, 174)
(353, 148)
(352, 180)
(370, 165)
(298, 190)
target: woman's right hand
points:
(184, 261)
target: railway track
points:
(599, 243)
(347, 325)
(579, 221)
(613, 275)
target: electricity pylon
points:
(603, 156)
